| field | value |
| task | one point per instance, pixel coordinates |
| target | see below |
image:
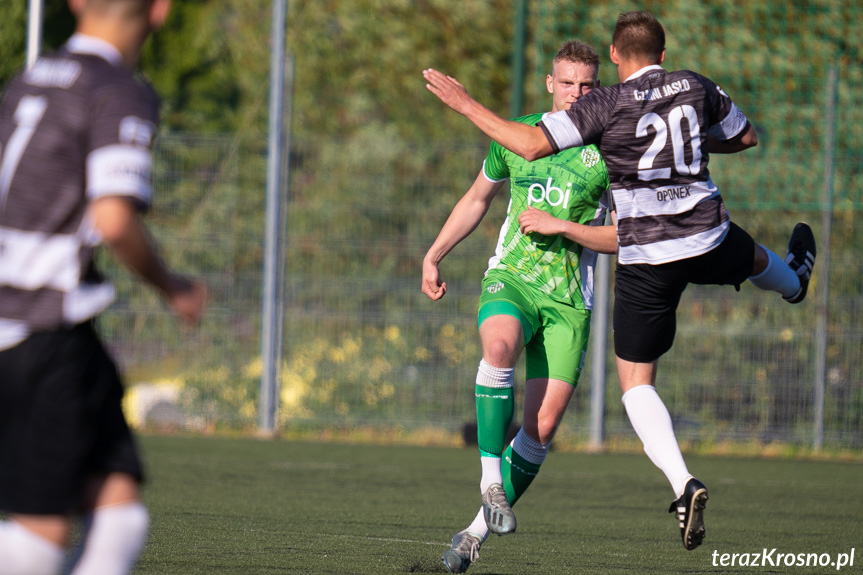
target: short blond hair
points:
(578, 52)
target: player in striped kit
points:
(656, 130)
(76, 131)
(536, 295)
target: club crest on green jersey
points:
(590, 157)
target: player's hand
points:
(448, 89)
(533, 220)
(432, 286)
(187, 298)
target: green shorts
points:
(555, 333)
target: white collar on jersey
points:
(643, 71)
(84, 44)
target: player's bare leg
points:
(53, 528)
(545, 402)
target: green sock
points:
(494, 411)
(518, 473)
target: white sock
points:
(479, 527)
(652, 424)
(777, 276)
(529, 448)
(113, 538)
(23, 552)
(497, 377)
(490, 472)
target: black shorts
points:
(646, 296)
(61, 422)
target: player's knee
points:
(760, 260)
(500, 353)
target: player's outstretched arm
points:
(602, 239)
(529, 142)
(117, 221)
(464, 218)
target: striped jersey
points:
(571, 185)
(74, 127)
(651, 130)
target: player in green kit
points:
(536, 295)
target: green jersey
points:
(571, 185)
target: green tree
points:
(13, 38)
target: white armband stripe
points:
(564, 132)
(730, 126)
(120, 170)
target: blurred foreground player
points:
(75, 136)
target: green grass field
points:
(246, 506)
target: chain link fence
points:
(363, 348)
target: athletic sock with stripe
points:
(521, 463)
(495, 405)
